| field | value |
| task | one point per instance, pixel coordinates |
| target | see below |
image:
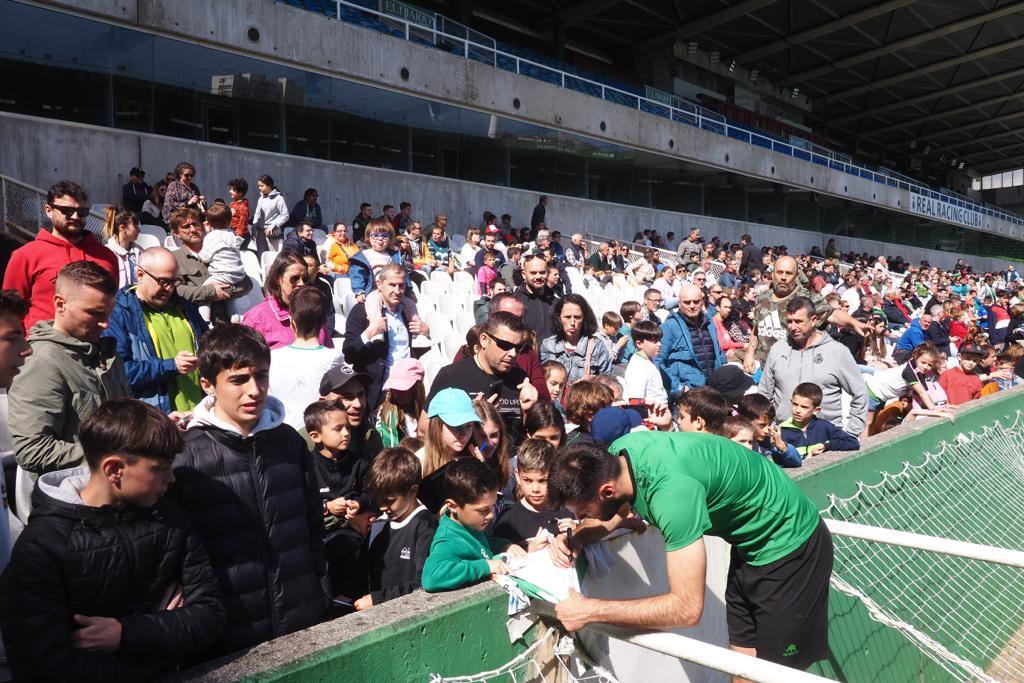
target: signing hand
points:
(515, 551)
(559, 551)
(573, 612)
(97, 633)
(497, 567)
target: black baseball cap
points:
(730, 381)
(336, 378)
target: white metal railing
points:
(693, 115)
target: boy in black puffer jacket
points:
(247, 481)
(108, 582)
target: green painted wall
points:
(465, 639)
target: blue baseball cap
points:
(609, 424)
(453, 406)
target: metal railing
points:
(692, 115)
(21, 211)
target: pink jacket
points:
(273, 322)
(725, 342)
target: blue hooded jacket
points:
(361, 274)
(913, 336)
(146, 372)
(677, 358)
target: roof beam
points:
(927, 69)
(701, 24)
(1003, 159)
(903, 43)
(984, 138)
(573, 14)
(875, 132)
(821, 30)
(935, 94)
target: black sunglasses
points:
(69, 211)
(506, 345)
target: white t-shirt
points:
(377, 260)
(643, 380)
(295, 375)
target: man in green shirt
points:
(691, 484)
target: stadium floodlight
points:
(927, 149)
(714, 57)
(732, 66)
(796, 93)
(753, 76)
(913, 144)
(961, 166)
(691, 48)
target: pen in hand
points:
(568, 543)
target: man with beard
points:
(692, 484)
(348, 387)
(33, 269)
(538, 297)
(810, 355)
(492, 374)
(769, 316)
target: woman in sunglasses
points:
(182, 192)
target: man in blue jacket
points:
(914, 335)
(689, 343)
(156, 333)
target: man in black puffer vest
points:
(108, 582)
(246, 478)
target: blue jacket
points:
(787, 458)
(361, 274)
(147, 374)
(677, 355)
(818, 431)
(913, 336)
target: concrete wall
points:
(40, 151)
(341, 49)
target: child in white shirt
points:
(643, 379)
(221, 250)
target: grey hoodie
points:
(271, 416)
(63, 382)
(824, 362)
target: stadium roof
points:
(946, 76)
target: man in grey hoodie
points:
(810, 355)
(71, 371)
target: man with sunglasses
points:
(157, 335)
(187, 227)
(492, 373)
(33, 268)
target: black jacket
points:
(254, 501)
(893, 313)
(538, 310)
(370, 358)
(75, 559)
(300, 246)
(343, 478)
(397, 555)
(938, 333)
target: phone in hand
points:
(639, 405)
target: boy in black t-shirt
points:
(398, 548)
(341, 481)
(524, 522)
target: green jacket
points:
(458, 556)
(61, 384)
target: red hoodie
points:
(32, 271)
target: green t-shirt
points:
(692, 484)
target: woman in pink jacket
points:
(725, 340)
(271, 318)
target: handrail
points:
(702, 117)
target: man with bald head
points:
(157, 333)
(769, 317)
(689, 343)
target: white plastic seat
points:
(241, 305)
(154, 230)
(441, 277)
(342, 286)
(434, 290)
(266, 259)
(439, 323)
(575, 278)
(319, 237)
(450, 344)
(450, 305)
(252, 266)
(464, 279)
(172, 243)
(463, 321)
(147, 241)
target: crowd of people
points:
(204, 479)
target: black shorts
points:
(781, 609)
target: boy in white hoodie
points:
(246, 479)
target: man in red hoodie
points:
(33, 269)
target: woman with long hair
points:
(877, 353)
(452, 424)
(723, 312)
(120, 230)
(467, 255)
(271, 318)
(403, 400)
(495, 446)
(574, 343)
(152, 208)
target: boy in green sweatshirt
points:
(461, 552)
